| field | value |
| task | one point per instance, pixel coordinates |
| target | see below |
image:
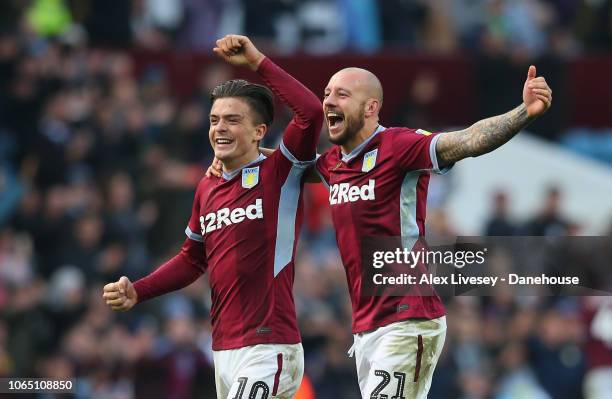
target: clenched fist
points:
(239, 50)
(120, 296)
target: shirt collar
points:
(231, 175)
(348, 157)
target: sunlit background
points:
(103, 138)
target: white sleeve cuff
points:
(193, 236)
(433, 155)
(302, 164)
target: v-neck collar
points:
(351, 155)
(231, 175)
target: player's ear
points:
(260, 131)
(372, 106)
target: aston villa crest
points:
(369, 160)
(250, 177)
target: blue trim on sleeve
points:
(193, 236)
(300, 164)
(433, 155)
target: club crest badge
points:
(369, 160)
(250, 177)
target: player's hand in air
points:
(121, 295)
(215, 168)
(239, 50)
(537, 96)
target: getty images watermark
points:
(487, 265)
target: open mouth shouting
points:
(335, 121)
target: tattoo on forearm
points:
(482, 137)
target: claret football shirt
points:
(243, 231)
(378, 190)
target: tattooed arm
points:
(482, 137)
(488, 134)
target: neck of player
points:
(368, 129)
(230, 165)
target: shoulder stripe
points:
(408, 205)
(325, 182)
(287, 214)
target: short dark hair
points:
(259, 98)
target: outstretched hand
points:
(537, 96)
(239, 50)
(120, 296)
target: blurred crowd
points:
(523, 27)
(98, 168)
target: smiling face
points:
(240, 115)
(352, 99)
(234, 132)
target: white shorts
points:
(398, 360)
(259, 371)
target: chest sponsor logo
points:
(226, 217)
(250, 177)
(344, 192)
(369, 160)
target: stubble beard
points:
(353, 126)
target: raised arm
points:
(488, 134)
(302, 134)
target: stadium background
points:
(103, 136)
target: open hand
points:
(239, 50)
(537, 96)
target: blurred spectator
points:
(156, 23)
(499, 223)
(550, 221)
(592, 22)
(324, 28)
(419, 110)
(99, 29)
(555, 355)
(186, 368)
(519, 379)
(468, 19)
(401, 21)
(362, 20)
(10, 194)
(270, 21)
(83, 247)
